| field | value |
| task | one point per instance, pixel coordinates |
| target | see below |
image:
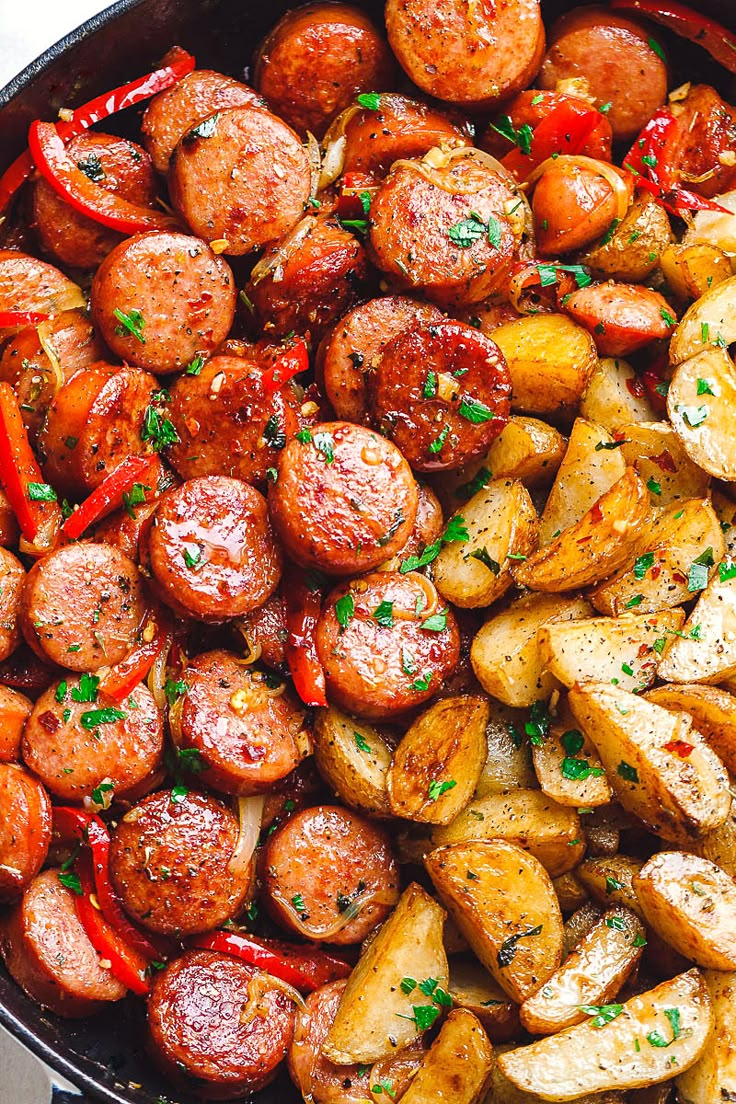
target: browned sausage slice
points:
(27, 284)
(382, 666)
(12, 577)
(428, 528)
(357, 491)
(122, 528)
(314, 1075)
(211, 550)
(9, 531)
(48, 953)
(162, 299)
(77, 740)
(15, 709)
(25, 829)
(330, 875)
(225, 1026)
(82, 606)
(242, 178)
(266, 632)
(245, 732)
(622, 317)
(170, 862)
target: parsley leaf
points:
(627, 772)
(436, 623)
(475, 411)
(71, 881)
(602, 1013)
(507, 950)
(521, 137)
(345, 610)
(384, 614)
(361, 743)
(41, 492)
(87, 689)
(656, 1039)
(467, 231)
(369, 100)
(437, 788)
(132, 323)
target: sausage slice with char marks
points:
(314, 1075)
(28, 284)
(25, 829)
(12, 577)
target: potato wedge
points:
(611, 880)
(680, 534)
(375, 1015)
(657, 453)
(725, 510)
(473, 988)
(508, 764)
(594, 547)
(615, 396)
(715, 227)
(527, 818)
(590, 468)
(550, 361)
(457, 1066)
(626, 648)
(396, 1071)
(713, 1077)
(701, 403)
(706, 651)
(630, 253)
(720, 845)
(578, 925)
(500, 521)
(552, 1067)
(437, 764)
(691, 270)
(568, 767)
(713, 711)
(503, 1092)
(505, 655)
(353, 758)
(503, 902)
(591, 975)
(659, 766)
(711, 320)
(691, 903)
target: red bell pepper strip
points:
(126, 964)
(108, 496)
(304, 967)
(21, 318)
(126, 675)
(688, 23)
(20, 474)
(288, 364)
(565, 130)
(303, 605)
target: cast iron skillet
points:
(104, 1055)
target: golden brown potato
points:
(659, 767)
(657, 453)
(473, 988)
(713, 711)
(500, 521)
(353, 757)
(503, 1092)
(720, 845)
(457, 1066)
(592, 974)
(437, 764)
(632, 250)
(610, 880)
(691, 904)
(701, 403)
(715, 228)
(508, 765)
(693, 269)
(710, 320)
(553, 1068)
(527, 818)
(713, 1077)
(579, 924)
(505, 655)
(567, 765)
(550, 360)
(504, 904)
(725, 510)
(613, 397)
(376, 1015)
(706, 650)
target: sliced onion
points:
(175, 720)
(253, 649)
(714, 227)
(250, 814)
(44, 540)
(602, 168)
(315, 162)
(442, 158)
(269, 264)
(156, 680)
(45, 332)
(71, 297)
(525, 294)
(261, 984)
(327, 931)
(334, 145)
(577, 87)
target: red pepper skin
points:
(108, 496)
(126, 675)
(688, 23)
(305, 968)
(303, 607)
(127, 965)
(18, 468)
(288, 364)
(565, 130)
(21, 318)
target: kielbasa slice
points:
(266, 632)
(622, 317)
(314, 1075)
(170, 863)
(357, 491)
(12, 577)
(122, 528)
(162, 299)
(48, 953)
(330, 875)
(380, 668)
(699, 147)
(242, 178)
(245, 728)
(211, 550)
(427, 528)
(82, 606)
(27, 284)
(15, 709)
(25, 829)
(441, 393)
(221, 1023)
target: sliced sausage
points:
(227, 423)
(95, 421)
(48, 953)
(9, 531)
(531, 106)
(221, 1023)
(25, 829)
(356, 489)
(330, 875)
(355, 345)
(267, 633)
(176, 111)
(246, 732)
(113, 163)
(15, 710)
(242, 178)
(34, 377)
(316, 59)
(573, 205)
(441, 393)
(27, 284)
(616, 57)
(698, 150)
(454, 234)
(210, 549)
(427, 528)
(381, 668)
(82, 606)
(308, 280)
(314, 1075)
(469, 54)
(12, 577)
(622, 317)
(77, 739)
(122, 528)
(176, 298)
(170, 863)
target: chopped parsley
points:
(437, 788)
(71, 881)
(436, 445)
(627, 772)
(157, 429)
(132, 323)
(324, 443)
(134, 497)
(507, 950)
(369, 100)
(87, 689)
(41, 492)
(361, 743)
(521, 137)
(436, 623)
(94, 717)
(698, 575)
(602, 1013)
(345, 610)
(384, 614)
(656, 1039)
(475, 411)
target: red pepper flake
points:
(679, 748)
(49, 721)
(644, 649)
(595, 512)
(655, 571)
(679, 577)
(636, 387)
(664, 461)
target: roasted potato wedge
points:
(691, 270)
(505, 655)
(701, 403)
(715, 227)
(437, 764)
(503, 1092)
(500, 521)
(706, 651)
(552, 1067)
(720, 845)
(615, 397)
(659, 766)
(611, 880)
(527, 818)
(713, 1077)
(457, 1066)
(594, 547)
(508, 764)
(631, 252)
(713, 711)
(691, 903)
(579, 924)
(550, 361)
(567, 765)
(376, 1015)
(725, 510)
(504, 904)
(473, 988)
(592, 974)
(353, 758)
(657, 453)
(711, 320)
